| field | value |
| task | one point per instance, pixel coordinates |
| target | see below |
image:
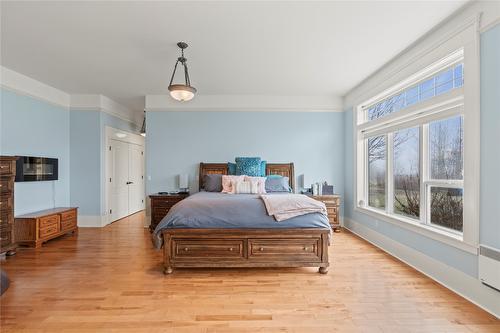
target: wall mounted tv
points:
(31, 169)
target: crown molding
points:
(24, 85)
(96, 102)
(246, 103)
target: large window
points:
(410, 150)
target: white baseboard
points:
(91, 221)
(464, 285)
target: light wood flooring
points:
(110, 280)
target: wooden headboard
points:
(282, 169)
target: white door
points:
(119, 177)
(135, 178)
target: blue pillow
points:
(231, 168)
(276, 183)
(263, 168)
(249, 166)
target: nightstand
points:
(332, 203)
(161, 204)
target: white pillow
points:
(261, 183)
(245, 187)
(227, 182)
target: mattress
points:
(214, 210)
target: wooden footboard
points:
(246, 248)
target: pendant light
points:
(181, 92)
(143, 128)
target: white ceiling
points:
(126, 50)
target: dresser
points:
(161, 204)
(7, 176)
(332, 203)
(33, 229)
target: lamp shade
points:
(181, 92)
(183, 181)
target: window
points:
(411, 152)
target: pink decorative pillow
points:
(227, 185)
(261, 183)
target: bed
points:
(221, 230)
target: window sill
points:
(435, 233)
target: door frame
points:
(124, 136)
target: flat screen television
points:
(31, 169)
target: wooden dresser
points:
(161, 204)
(332, 203)
(7, 176)
(35, 228)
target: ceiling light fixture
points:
(143, 127)
(181, 92)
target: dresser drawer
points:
(165, 203)
(5, 203)
(69, 215)
(6, 186)
(48, 221)
(287, 249)
(6, 216)
(331, 210)
(219, 248)
(5, 236)
(7, 168)
(48, 231)
(68, 224)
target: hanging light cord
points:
(182, 60)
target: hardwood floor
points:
(111, 280)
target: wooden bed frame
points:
(294, 247)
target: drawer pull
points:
(261, 249)
(305, 248)
(3, 166)
(2, 239)
(231, 249)
(186, 249)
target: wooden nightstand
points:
(332, 203)
(161, 204)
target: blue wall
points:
(490, 179)
(33, 127)
(88, 139)
(177, 142)
(85, 169)
(490, 138)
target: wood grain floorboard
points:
(110, 280)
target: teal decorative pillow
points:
(263, 168)
(249, 166)
(231, 169)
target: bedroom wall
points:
(88, 139)
(34, 127)
(177, 142)
(489, 231)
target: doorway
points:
(125, 175)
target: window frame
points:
(442, 106)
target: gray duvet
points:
(209, 210)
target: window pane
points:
(459, 75)
(399, 102)
(446, 148)
(376, 171)
(426, 89)
(412, 96)
(447, 207)
(406, 172)
(444, 82)
(381, 109)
